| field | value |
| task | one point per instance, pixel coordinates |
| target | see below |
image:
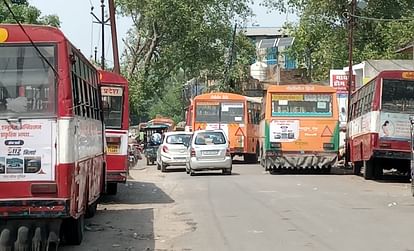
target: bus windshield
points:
(399, 96)
(112, 99)
(226, 112)
(27, 83)
(302, 105)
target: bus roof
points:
(38, 33)
(300, 88)
(220, 96)
(111, 78)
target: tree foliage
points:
(26, 13)
(322, 31)
(180, 37)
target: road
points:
(252, 210)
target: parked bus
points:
(379, 127)
(237, 115)
(300, 127)
(115, 105)
(51, 125)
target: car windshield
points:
(27, 84)
(210, 138)
(177, 139)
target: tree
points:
(321, 33)
(179, 36)
(25, 13)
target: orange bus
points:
(300, 128)
(237, 115)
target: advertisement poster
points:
(26, 151)
(284, 130)
(394, 126)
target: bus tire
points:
(356, 167)
(369, 169)
(112, 188)
(73, 230)
(412, 187)
(91, 210)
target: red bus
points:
(238, 116)
(51, 138)
(379, 127)
(114, 91)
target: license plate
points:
(211, 152)
(113, 149)
(179, 158)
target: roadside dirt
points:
(142, 216)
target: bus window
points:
(207, 112)
(303, 105)
(399, 96)
(232, 113)
(27, 80)
(112, 106)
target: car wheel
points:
(192, 173)
(227, 171)
(158, 166)
(163, 167)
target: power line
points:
(380, 19)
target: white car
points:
(209, 150)
(172, 151)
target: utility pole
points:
(351, 24)
(232, 50)
(114, 36)
(102, 22)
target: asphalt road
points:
(252, 210)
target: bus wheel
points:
(91, 210)
(356, 167)
(112, 188)
(412, 187)
(249, 158)
(73, 230)
(369, 169)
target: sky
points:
(76, 23)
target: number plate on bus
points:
(113, 149)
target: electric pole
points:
(102, 22)
(114, 36)
(351, 24)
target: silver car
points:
(172, 151)
(208, 150)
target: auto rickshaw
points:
(152, 140)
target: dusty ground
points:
(142, 216)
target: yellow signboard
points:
(288, 97)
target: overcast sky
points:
(78, 27)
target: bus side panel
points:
(88, 177)
(251, 138)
